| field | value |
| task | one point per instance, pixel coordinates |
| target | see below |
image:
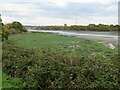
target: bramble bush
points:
(47, 69)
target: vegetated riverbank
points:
(107, 38)
(46, 68)
(82, 33)
(90, 27)
(64, 44)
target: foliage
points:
(90, 27)
(17, 25)
(4, 36)
(14, 27)
(46, 69)
(11, 28)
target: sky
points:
(60, 12)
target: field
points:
(44, 60)
(61, 43)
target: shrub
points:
(45, 69)
(14, 27)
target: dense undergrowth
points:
(47, 69)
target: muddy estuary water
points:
(104, 37)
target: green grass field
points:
(82, 47)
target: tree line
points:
(90, 27)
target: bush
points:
(14, 27)
(45, 69)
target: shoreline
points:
(107, 39)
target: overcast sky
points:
(58, 12)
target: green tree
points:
(92, 27)
(17, 25)
(7, 27)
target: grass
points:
(10, 82)
(0, 78)
(64, 44)
(7, 81)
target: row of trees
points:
(90, 27)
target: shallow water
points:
(74, 33)
(111, 46)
